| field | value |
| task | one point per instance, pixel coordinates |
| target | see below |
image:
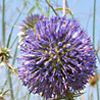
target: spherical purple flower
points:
(58, 57)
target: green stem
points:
(67, 4)
(5, 83)
(10, 34)
(94, 14)
(15, 54)
(13, 42)
(43, 98)
(3, 22)
(98, 58)
(10, 84)
(29, 96)
(51, 7)
(48, 9)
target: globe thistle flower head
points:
(4, 54)
(58, 57)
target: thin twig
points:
(10, 67)
(8, 64)
(51, 7)
(67, 4)
(67, 10)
